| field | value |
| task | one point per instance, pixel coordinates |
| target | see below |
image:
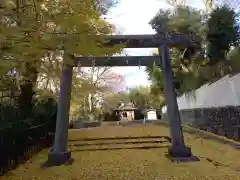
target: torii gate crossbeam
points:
(59, 153)
(149, 40)
(116, 61)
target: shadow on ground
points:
(120, 148)
(183, 159)
(112, 143)
(48, 164)
(137, 142)
(120, 138)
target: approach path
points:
(140, 157)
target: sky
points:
(132, 17)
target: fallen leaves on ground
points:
(106, 157)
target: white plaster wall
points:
(224, 92)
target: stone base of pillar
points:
(58, 158)
(179, 151)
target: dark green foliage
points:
(156, 76)
(8, 113)
(27, 85)
(21, 136)
(234, 57)
(191, 68)
(11, 118)
(45, 111)
(222, 33)
(181, 20)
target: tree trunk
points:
(90, 102)
(27, 89)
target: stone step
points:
(122, 146)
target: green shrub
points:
(8, 113)
(11, 119)
(45, 111)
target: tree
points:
(100, 79)
(177, 2)
(183, 20)
(104, 5)
(222, 33)
(113, 100)
(234, 59)
(218, 31)
(141, 97)
(144, 99)
(31, 30)
(212, 4)
(96, 83)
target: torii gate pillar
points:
(178, 148)
(59, 153)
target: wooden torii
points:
(59, 153)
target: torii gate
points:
(59, 153)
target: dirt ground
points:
(136, 152)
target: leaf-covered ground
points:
(120, 159)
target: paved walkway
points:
(133, 153)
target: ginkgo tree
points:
(31, 30)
